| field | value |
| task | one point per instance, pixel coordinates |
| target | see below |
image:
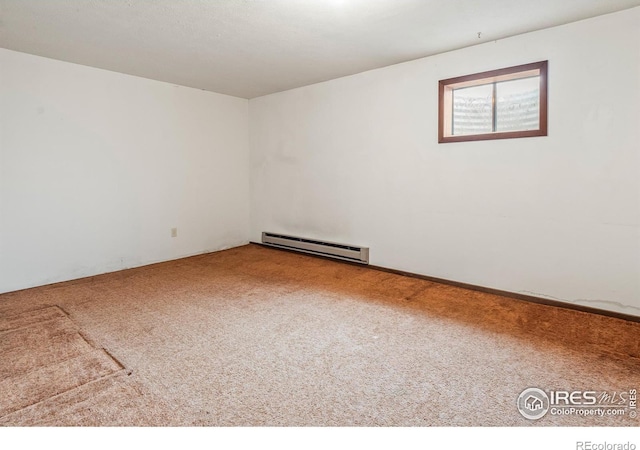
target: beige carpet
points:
(255, 336)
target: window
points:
(500, 104)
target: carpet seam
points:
(111, 375)
(10, 330)
(62, 392)
(34, 310)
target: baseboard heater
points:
(329, 249)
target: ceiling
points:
(249, 48)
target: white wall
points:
(96, 167)
(356, 160)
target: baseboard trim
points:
(514, 295)
(473, 287)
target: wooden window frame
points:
(445, 101)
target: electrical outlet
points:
(174, 232)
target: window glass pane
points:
(472, 110)
(518, 104)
